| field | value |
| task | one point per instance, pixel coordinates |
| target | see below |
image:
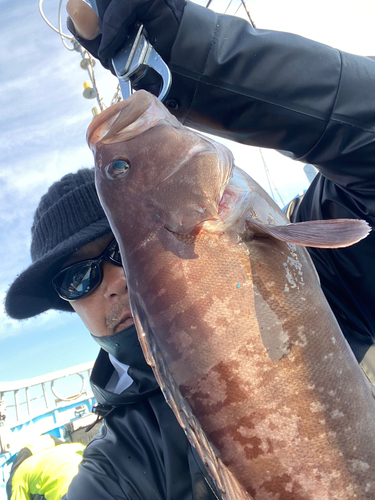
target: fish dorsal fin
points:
(334, 233)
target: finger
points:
(84, 18)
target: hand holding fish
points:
(104, 36)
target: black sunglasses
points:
(82, 278)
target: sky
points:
(43, 122)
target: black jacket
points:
(311, 102)
(273, 90)
(141, 452)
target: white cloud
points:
(11, 328)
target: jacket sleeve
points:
(95, 480)
(276, 90)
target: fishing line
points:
(270, 180)
(62, 35)
(238, 8)
(87, 60)
(229, 4)
(59, 30)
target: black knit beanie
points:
(68, 217)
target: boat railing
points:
(23, 400)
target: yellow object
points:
(48, 473)
(88, 91)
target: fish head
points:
(149, 166)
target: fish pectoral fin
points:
(334, 233)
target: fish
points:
(230, 313)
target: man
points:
(142, 452)
(262, 88)
(44, 469)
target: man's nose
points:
(114, 281)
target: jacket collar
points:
(125, 347)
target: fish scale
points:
(230, 314)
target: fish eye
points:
(118, 168)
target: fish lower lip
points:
(125, 323)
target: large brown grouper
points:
(230, 316)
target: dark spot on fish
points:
(251, 491)
(271, 449)
(272, 427)
(222, 322)
(228, 381)
(290, 488)
(252, 445)
(254, 450)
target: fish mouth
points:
(124, 322)
(127, 119)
